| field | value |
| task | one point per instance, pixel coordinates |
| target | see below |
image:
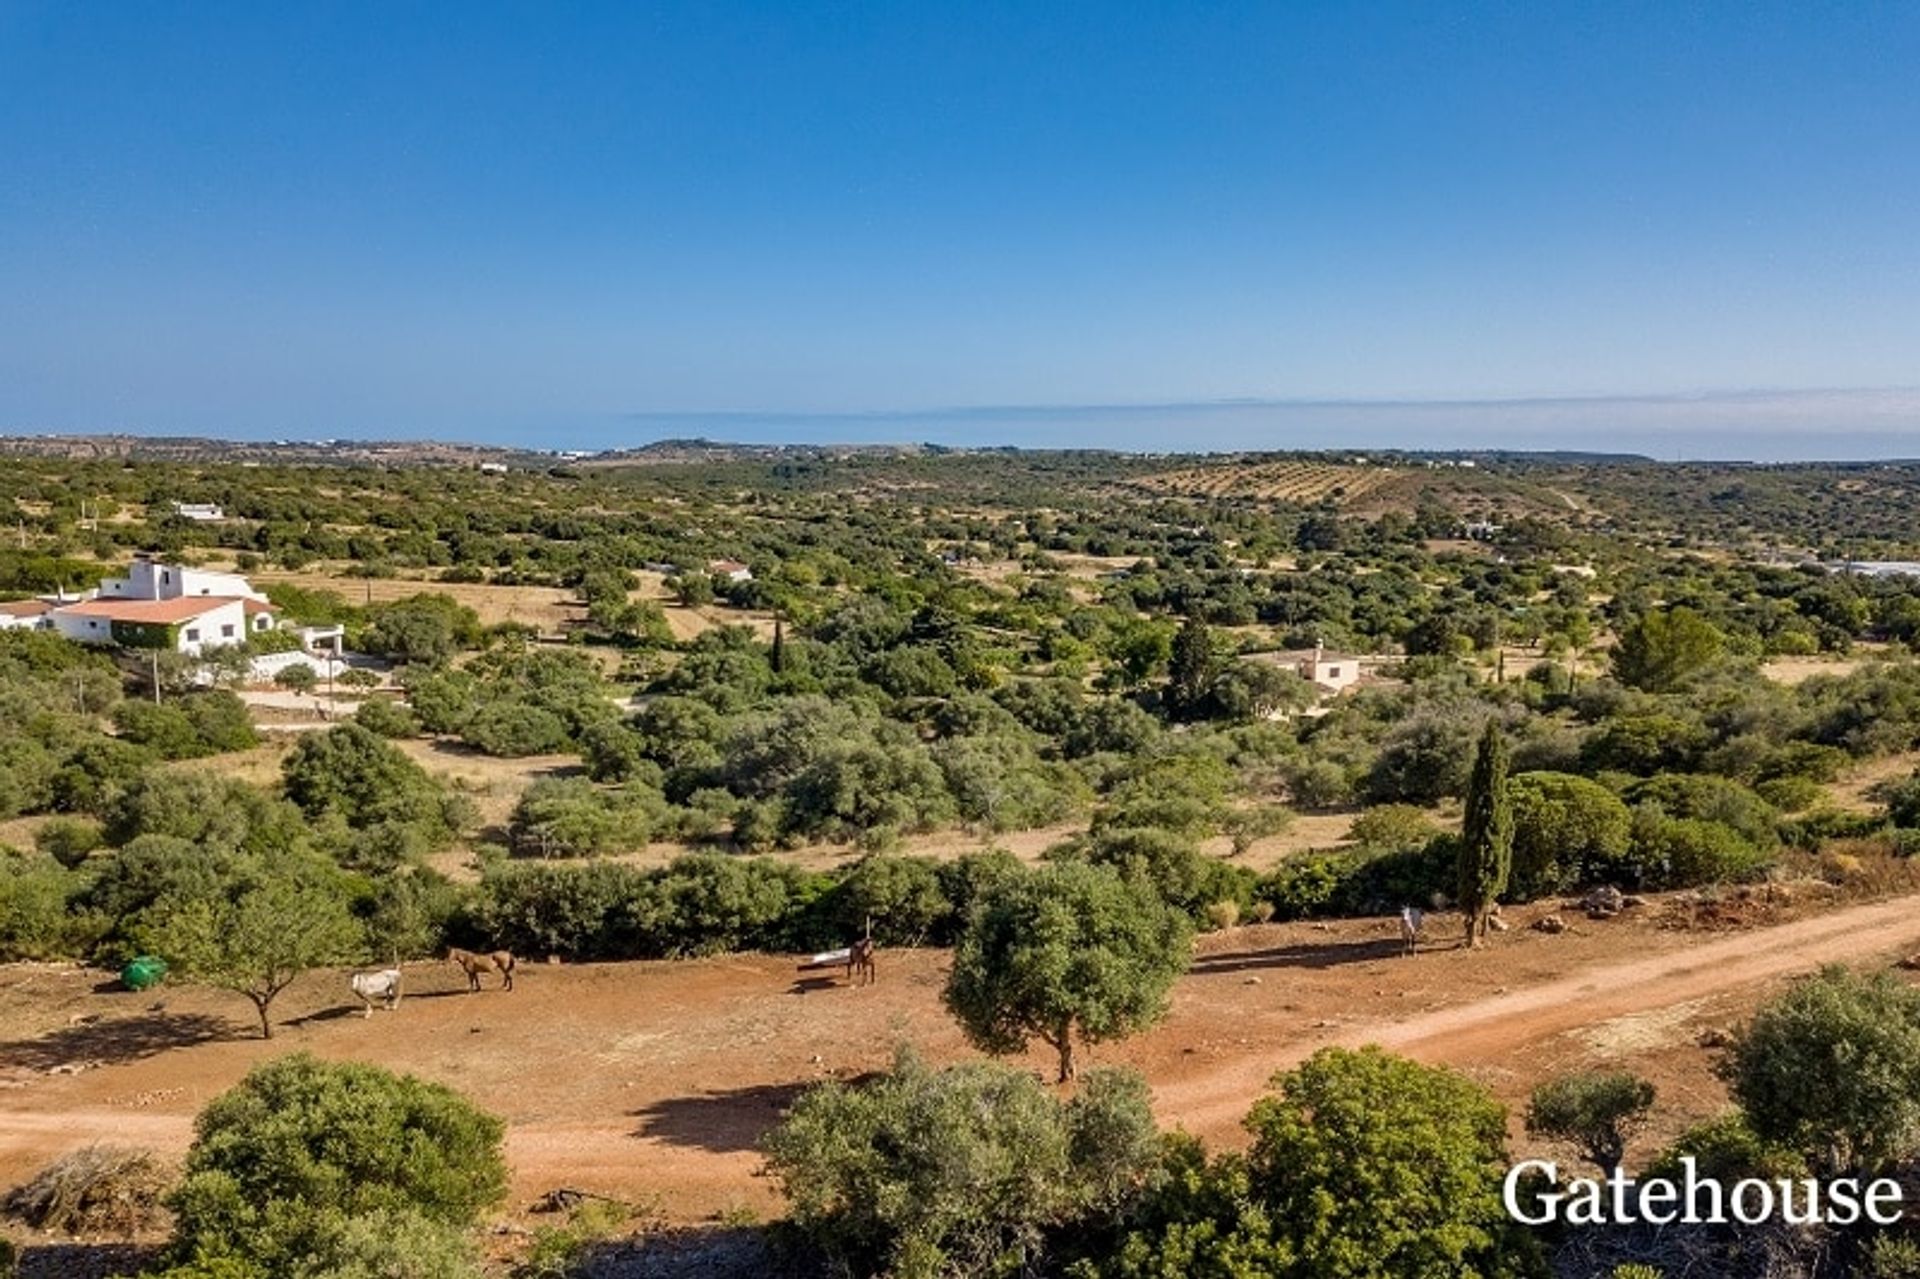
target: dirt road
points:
(656, 1081)
(1493, 1028)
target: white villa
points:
(154, 606)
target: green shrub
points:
(968, 1171)
(69, 840)
(1566, 831)
(387, 717)
(512, 729)
(572, 817)
(36, 909)
(299, 1139)
(1671, 852)
(1831, 1069)
(1392, 827)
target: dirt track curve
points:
(1490, 1028)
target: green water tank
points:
(143, 972)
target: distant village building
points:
(493, 468)
(1482, 530)
(200, 512)
(732, 570)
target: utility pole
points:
(156, 677)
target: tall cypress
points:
(1190, 672)
(1486, 837)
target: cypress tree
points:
(1190, 672)
(1486, 839)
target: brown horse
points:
(499, 961)
(860, 970)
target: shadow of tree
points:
(84, 1260)
(713, 1252)
(115, 1040)
(721, 1122)
(1313, 956)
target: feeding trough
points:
(143, 972)
(828, 959)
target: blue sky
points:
(1198, 225)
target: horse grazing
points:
(499, 961)
(1411, 917)
(383, 985)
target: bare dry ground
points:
(547, 607)
(655, 1081)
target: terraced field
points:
(1300, 480)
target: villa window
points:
(193, 635)
(227, 631)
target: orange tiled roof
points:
(25, 608)
(157, 612)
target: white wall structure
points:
(194, 624)
(26, 615)
(152, 580)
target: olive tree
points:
(1831, 1069)
(958, 1172)
(1596, 1111)
(1073, 951)
(255, 928)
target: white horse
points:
(383, 985)
(1411, 917)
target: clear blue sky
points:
(602, 223)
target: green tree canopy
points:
(254, 926)
(1072, 951)
(314, 1167)
(1831, 1069)
(1596, 1111)
(1662, 648)
(962, 1172)
(1566, 830)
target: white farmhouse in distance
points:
(1332, 672)
(732, 570)
(199, 512)
(1329, 673)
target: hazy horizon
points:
(1762, 426)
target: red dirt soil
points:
(655, 1081)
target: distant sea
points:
(1838, 425)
